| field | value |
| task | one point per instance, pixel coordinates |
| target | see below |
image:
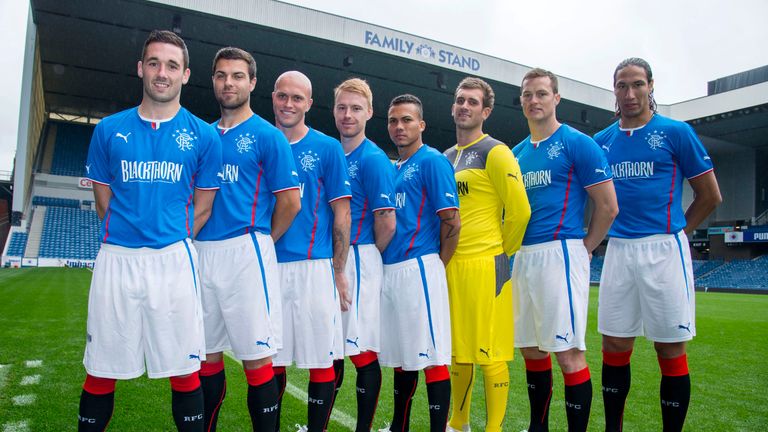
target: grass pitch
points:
(42, 317)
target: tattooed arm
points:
(383, 227)
(342, 220)
(450, 225)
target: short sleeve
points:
(280, 167)
(379, 184)
(440, 183)
(590, 162)
(335, 176)
(692, 156)
(209, 161)
(97, 164)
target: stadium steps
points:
(35, 232)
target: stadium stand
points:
(18, 244)
(55, 202)
(596, 269)
(70, 233)
(737, 274)
(71, 149)
(702, 267)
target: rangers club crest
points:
(471, 156)
(308, 160)
(184, 139)
(354, 167)
(655, 140)
(410, 172)
(554, 149)
(244, 143)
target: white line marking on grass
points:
(21, 426)
(23, 400)
(337, 415)
(33, 363)
(30, 380)
(3, 374)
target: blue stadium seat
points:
(71, 149)
(18, 244)
(70, 233)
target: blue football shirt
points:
(649, 164)
(257, 163)
(556, 173)
(153, 169)
(372, 176)
(424, 185)
(323, 179)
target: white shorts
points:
(647, 289)
(550, 286)
(240, 293)
(362, 326)
(414, 314)
(144, 306)
(311, 315)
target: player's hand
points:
(345, 297)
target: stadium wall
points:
(31, 121)
(736, 176)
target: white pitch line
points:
(4, 374)
(20, 426)
(23, 400)
(33, 363)
(30, 380)
(337, 415)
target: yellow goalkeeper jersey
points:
(493, 204)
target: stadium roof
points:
(89, 50)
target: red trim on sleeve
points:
(285, 189)
(600, 182)
(701, 174)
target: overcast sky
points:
(688, 43)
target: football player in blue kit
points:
(371, 175)
(258, 199)
(562, 169)
(154, 171)
(312, 254)
(646, 288)
(414, 294)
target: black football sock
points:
(262, 405)
(405, 387)
(95, 411)
(439, 397)
(368, 388)
(188, 410)
(578, 399)
(538, 375)
(214, 384)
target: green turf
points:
(42, 317)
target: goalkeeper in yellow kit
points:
(494, 213)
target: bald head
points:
(291, 100)
(295, 78)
